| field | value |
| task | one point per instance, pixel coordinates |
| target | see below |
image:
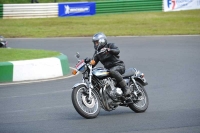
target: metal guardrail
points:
(116, 6)
(42, 10)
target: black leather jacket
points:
(110, 58)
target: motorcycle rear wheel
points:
(140, 106)
(86, 108)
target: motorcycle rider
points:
(110, 59)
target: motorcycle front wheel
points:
(88, 108)
(140, 105)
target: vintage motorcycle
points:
(98, 90)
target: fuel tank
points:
(100, 72)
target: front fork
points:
(90, 86)
(136, 86)
(87, 84)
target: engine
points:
(113, 91)
(110, 94)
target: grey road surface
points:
(171, 65)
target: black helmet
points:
(101, 39)
(3, 42)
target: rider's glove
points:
(105, 49)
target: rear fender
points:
(139, 77)
(142, 81)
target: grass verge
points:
(125, 24)
(24, 54)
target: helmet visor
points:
(96, 42)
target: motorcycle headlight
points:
(83, 69)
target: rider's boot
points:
(126, 90)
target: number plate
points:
(80, 65)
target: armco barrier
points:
(42, 10)
(116, 6)
(30, 10)
(45, 10)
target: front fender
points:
(77, 84)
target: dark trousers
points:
(116, 72)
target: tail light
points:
(142, 75)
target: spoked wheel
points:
(140, 104)
(88, 108)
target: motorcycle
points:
(3, 42)
(98, 90)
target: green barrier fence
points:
(116, 6)
(1, 10)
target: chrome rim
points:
(141, 102)
(88, 106)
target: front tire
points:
(85, 107)
(141, 105)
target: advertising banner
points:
(76, 9)
(178, 5)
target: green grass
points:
(24, 54)
(125, 24)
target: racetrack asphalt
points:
(170, 64)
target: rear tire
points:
(86, 108)
(140, 106)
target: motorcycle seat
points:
(128, 73)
